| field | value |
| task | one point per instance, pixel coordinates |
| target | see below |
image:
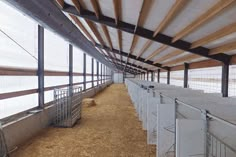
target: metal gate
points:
(68, 106)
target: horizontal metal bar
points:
(17, 93)
(32, 91)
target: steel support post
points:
(92, 72)
(70, 69)
(168, 77)
(84, 73)
(101, 74)
(158, 75)
(225, 80)
(97, 73)
(186, 67)
(40, 66)
(152, 76)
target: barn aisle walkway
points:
(110, 129)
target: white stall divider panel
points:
(153, 101)
(144, 109)
(189, 138)
(165, 135)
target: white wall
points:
(118, 78)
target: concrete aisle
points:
(110, 129)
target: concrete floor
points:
(109, 129)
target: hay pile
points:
(88, 102)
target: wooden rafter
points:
(96, 7)
(134, 42)
(126, 54)
(77, 5)
(104, 28)
(141, 18)
(216, 35)
(144, 48)
(95, 31)
(156, 52)
(171, 14)
(76, 20)
(185, 58)
(119, 39)
(168, 56)
(179, 4)
(160, 38)
(212, 12)
(223, 49)
(116, 10)
(60, 3)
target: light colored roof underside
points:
(155, 11)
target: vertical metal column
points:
(152, 76)
(92, 72)
(186, 67)
(225, 80)
(101, 74)
(168, 76)
(97, 73)
(144, 76)
(158, 75)
(84, 73)
(70, 69)
(40, 66)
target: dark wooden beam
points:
(145, 33)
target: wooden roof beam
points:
(133, 65)
(96, 8)
(168, 56)
(95, 31)
(185, 58)
(212, 12)
(145, 33)
(116, 10)
(126, 54)
(77, 5)
(144, 48)
(223, 49)
(156, 52)
(173, 12)
(104, 28)
(81, 26)
(216, 35)
(60, 3)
